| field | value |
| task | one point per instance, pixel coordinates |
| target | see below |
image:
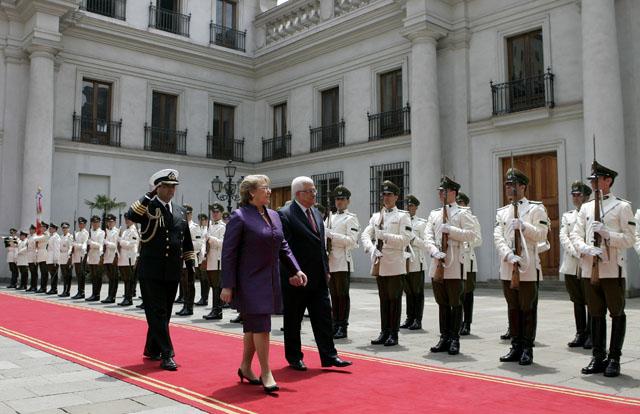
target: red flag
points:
(38, 211)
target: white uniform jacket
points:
(66, 244)
(21, 253)
(469, 248)
(32, 250)
(111, 245)
(53, 249)
(637, 243)
(128, 242)
(79, 245)
(12, 249)
(95, 246)
(617, 216)
(460, 231)
(342, 229)
(197, 238)
(214, 239)
(536, 226)
(570, 256)
(41, 247)
(202, 253)
(417, 261)
(397, 228)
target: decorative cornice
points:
(423, 31)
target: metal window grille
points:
(397, 173)
(325, 184)
(110, 8)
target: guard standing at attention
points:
(414, 279)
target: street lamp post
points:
(227, 191)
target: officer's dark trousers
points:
(467, 298)
(340, 300)
(53, 272)
(80, 275)
(65, 272)
(188, 288)
(14, 274)
(390, 294)
(125, 275)
(44, 275)
(24, 276)
(521, 305)
(96, 279)
(414, 290)
(213, 280)
(448, 296)
(33, 270)
(112, 277)
(608, 294)
(158, 303)
(577, 295)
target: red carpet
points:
(112, 343)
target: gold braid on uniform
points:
(158, 219)
(189, 256)
(138, 208)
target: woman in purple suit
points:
(252, 251)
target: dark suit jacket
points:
(169, 239)
(307, 246)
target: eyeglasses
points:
(312, 191)
(265, 188)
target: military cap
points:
(448, 184)
(166, 176)
(580, 188)
(514, 175)
(82, 220)
(45, 225)
(64, 225)
(23, 233)
(111, 217)
(411, 199)
(127, 216)
(188, 208)
(389, 187)
(216, 207)
(463, 198)
(599, 170)
(95, 219)
(341, 192)
(226, 215)
(53, 226)
(32, 227)
(12, 229)
(203, 216)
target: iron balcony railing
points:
(220, 148)
(522, 94)
(169, 21)
(227, 37)
(390, 123)
(166, 140)
(327, 137)
(110, 8)
(276, 148)
(96, 131)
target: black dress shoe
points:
(140, 306)
(454, 347)
(441, 346)
(237, 319)
(184, 312)
(202, 302)
(596, 366)
(11, 287)
(169, 364)
(340, 333)
(612, 369)
(78, 296)
(392, 339)
(465, 329)
(125, 302)
(64, 295)
(179, 300)
(336, 362)
(513, 355)
(416, 325)
(92, 298)
(578, 341)
(298, 365)
(52, 292)
(506, 335)
(108, 300)
(41, 290)
(381, 339)
(213, 315)
(527, 357)
(588, 343)
(405, 325)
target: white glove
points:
(600, 228)
(328, 233)
(513, 258)
(375, 253)
(516, 224)
(380, 234)
(591, 251)
(439, 255)
(445, 228)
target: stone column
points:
(426, 151)
(601, 88)
(38, 137)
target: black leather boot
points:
(514, 354)
(410, 311)
(618, 329)
(204, 290)
(341, 331)
(418, 303)
(392, 339)
(381, 339)
(580, 316)
(185, 311)
(442, 345)
(599, 361)
(213, 315)
(588, 344)
(527, 356)
(454, 330)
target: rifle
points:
(517, 245)
(597, 216)
(328, 218)
(375, 271)
(438, 276)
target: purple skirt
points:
(256, 322)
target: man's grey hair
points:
(298, 185)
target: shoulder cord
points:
(158, 219)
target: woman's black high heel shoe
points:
(249, 380)
(271, 388)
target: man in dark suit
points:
(304, 230)
(165, 244)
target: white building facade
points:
(96, 95)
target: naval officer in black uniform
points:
(165, 244)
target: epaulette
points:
(420, 219)
(535, 202)
(437, 209)
(464, 207)
(622, 199)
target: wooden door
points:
(279, 196)
(542, 170)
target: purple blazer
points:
(252, 252)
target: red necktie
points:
(311, 221)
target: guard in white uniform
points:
(470, 267)
(53, 258)
(616, 229)
(341, 229)
(66, 247)
(41, 257)
(95, 249)
(79, 255)
(570, 267)
(215, 237)
(187, 279)
(386, 239)
(21, 260)
(532, 225)
(416, 264)
(128, 253)
(11, 244)
(110, 258)
(201, 271)
(32, 259)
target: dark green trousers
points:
(125, 275)
(414, 291)
(390, 294)
(609, 294)
(340, 301)
(521, 305)
(448, 296)
(214, 281)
